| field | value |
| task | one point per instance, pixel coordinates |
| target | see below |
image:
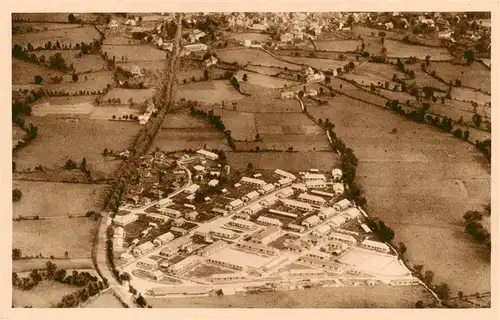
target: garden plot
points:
(339, 46)
(476, 75)
(23, 73)
(47, 294)
(69, 36)
(209, 92)
(138, 96)
(182, 139)
(255, 57)
(54, 237)
(47, 199)
(403, 50)
(264, 81)
(292, 161)
(133, 53)
(60, 140)
(433, 180)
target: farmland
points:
(69, 36)
(59, 140)
(380, 296)
(466, 94)
(241, 124)
(209, 92)
(255, 57)
(180, 139)
(476, 75)
(292, 161)
(265, 81)
(45, 295)
(339, 46)
(54, 237)
(85, 63)
(242, 36)
(402, 50)
(38, 199)
(321, 64)
(24, 72)
(105, 300)
(133, 53)
(137, 95)
(368, 73)
(432, 194)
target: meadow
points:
(292, 161)
(339, 46)
(255, 57)
(209, 92)
(68, 36)
(45, 295)
(476, 75)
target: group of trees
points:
(215, 120)
(474, 227)
(378, 227)
(485, 148)
(16, 195)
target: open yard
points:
(292, 161)
(105, 300)
(379, 296)
(54, 237)
(180, 139)
(60, 140)
(340, 46)
(475, 76)
(45, 295)
(255, 57)
(69, 36)
(133, 52)
(209, 92)
(420, 182)
(47, 199)
(403, 50)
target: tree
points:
(83, 165)
(460, 294)
(141, 301)
(419, 304)
(66, 254)
(38, 79)
(473, 216)
(16, 195)
(257, 137)
(32, 132)
(428, 277)
(469, 56)
(477, 120)
(402, 248)
(249, 166)
(458, 133)
(74, 77)
(70, 164)
(72, 18)
(245, 77)
(51, 269)
(465, 135)
(443, 291)
(16, 254)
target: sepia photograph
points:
(251, 160)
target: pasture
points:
(292, 161)
(242, 36)
(105, 300)
(137, 95)
(55, 236)
(368, 73)
(91, 82)
(419, 181)
(264, 81)
(120, 40)
(60, 140)
(466, 94)
(27, 27)
(255, 57)
(68, 36)
(49, 199)
(184, 120)
(378, 296)
(180, 139)
(241, 124)
(45, 295)
(132, 53)
(63, 107)
(82, 64)
(338, 46)
(476, 75)
(23, 72)
(270, 103)
(321, 64)
(403, 50)
(268, 71)
(52, 17)
(209, 92)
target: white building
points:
(286, 37)
(220, 211)
(285, 193)
(267, 235)
(294, 204)
(326, 213)
(311, 199)
(212, 61)
(199, 168)
(296, 227)
(337, 221)
(213, 183)
(208, 154)
(312, 184)
(285, 182)
(352, 213)
(233, 205)
(212, 248)
(366, 228)
(148, 264)
(322, 193)
(124, 219)
(170, 212)
(346, 238)
(223, 233)
(268, 201)
(258, 247)
(250, 196)
(269, 221)
(143, 248)
(253, 208)
(342, 205)
(165, 202)
(192, 188)
(311, 221)
(389, 26)
(240, 223)
(184, 265)
(299, 187)
(197, 47)
(267, 188)
(253, 181)
(314, 176)
(338, 188)
(164, 238)
(375, 245)
(285, 174)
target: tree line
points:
(214, 120)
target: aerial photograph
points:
(251, 160)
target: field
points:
(63, 106)
(292, 161)
(466, 94)
(402, 50)
(476, 76)
(264, 81)
(206, 271)
(95, 81)
(133, 53)
(322, 64)
(105, 300)
(255, 57)
(65, 36)
(120, 40)
(242, 36)
(413, 188)
(270, 71)
(25, 265)
(209, 92)
(85, 63)
(241, 124)
(38, 199)
(60, 140)
(137, 95)
(27, 27)
(24, 72)
(184, 120)
(52, 17)
(45, 295)
(368, 73)
(54, 237)
(180, 139)
(340, 46)
(380, 296)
